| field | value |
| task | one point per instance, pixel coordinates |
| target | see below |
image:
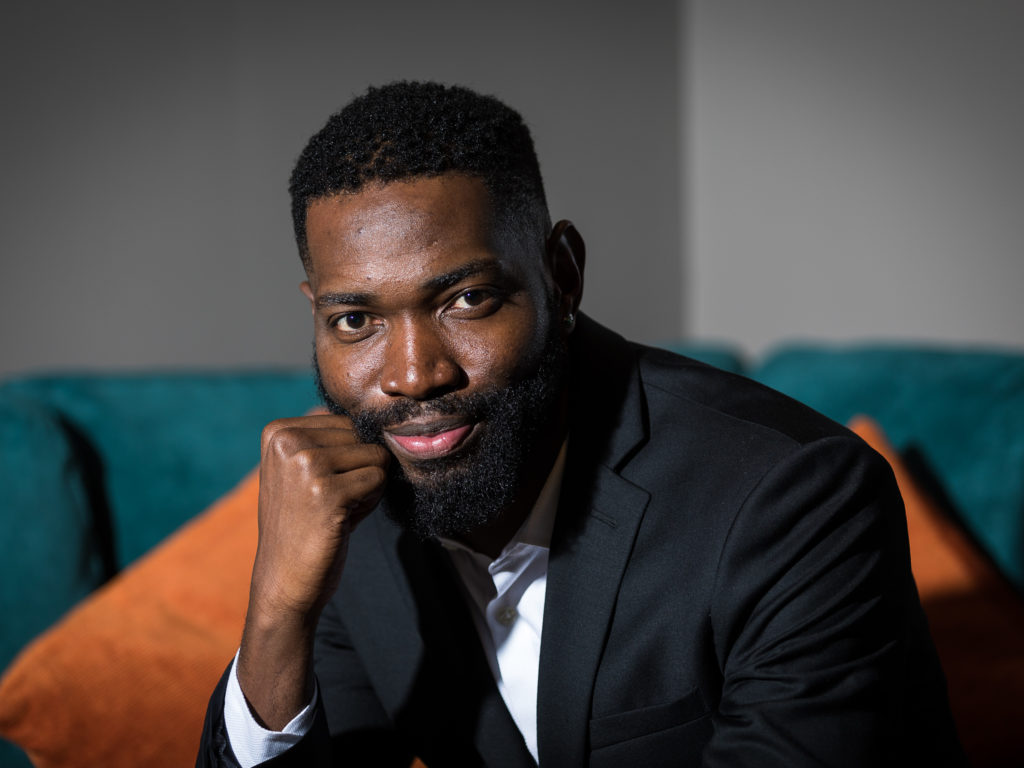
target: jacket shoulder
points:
(676, 383)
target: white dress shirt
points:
(506, 599)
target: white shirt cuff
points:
(251, 742)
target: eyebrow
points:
(457, 275)
(433, 284)
(343, 299)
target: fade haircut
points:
(406, 130)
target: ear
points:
(307, 291)
(567, 257)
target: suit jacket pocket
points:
(614, 729)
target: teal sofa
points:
(96, 469)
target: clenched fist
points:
(317, 481)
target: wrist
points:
(275, 669)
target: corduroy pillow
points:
(124, 679)
(976, 619)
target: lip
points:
(428, 439)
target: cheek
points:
(346, 375)
(493, 354)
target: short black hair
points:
(406, 130)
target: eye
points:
(352, 321)
(471, 299)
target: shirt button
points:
(507, 615)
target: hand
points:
(317, 481)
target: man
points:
(518, 538)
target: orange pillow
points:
(976, 619)
(124, 678)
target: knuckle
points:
(317, 490)
(269, 431)
(284, 441)
(304, 459)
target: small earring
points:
(569, 320)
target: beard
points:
(453, 495)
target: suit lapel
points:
(439, 682)
(584, 574)
(598, 518)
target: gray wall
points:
(743, 170)
(147, 147)
(855, 170)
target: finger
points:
(323, 419)
(328, 421)
(312, 455)
(338, 459)
(283, 440)
(356, 492)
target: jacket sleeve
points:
(361, 733)
(350, 727)
(314, 749)
(818, 629)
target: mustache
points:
(370, 423)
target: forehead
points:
(394, 223)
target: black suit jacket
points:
(728, 585)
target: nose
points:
(418, 362)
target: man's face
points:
(438, 342)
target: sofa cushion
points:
(123, 680)
(976, 619)
(957, 414)
(168, 445)
(47, 532)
